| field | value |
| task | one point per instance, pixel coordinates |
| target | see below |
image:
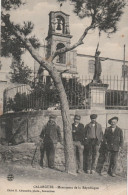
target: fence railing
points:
(45, 96)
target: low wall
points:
(28, 125)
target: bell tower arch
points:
(58, 37)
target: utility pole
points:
(124, 73)
(34, 73)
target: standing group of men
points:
(88, 141)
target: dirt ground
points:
(29, 175)
(17, 175)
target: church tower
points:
(59, 37)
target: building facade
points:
(59, 37)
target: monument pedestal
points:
(96, 95)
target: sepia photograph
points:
(64, 97)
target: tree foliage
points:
(11, 46)
(20, 73)
(104, 14)
(19, 103)
(11, 4)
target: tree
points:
(19, 103)
(104, 15)
(20, 73)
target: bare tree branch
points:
(79, 42)
(47, 64)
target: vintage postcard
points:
(64, 97)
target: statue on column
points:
(98, 68)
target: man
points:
(50, 135)
(93, 137)
(113, 139)
(78, 135)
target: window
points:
(62, 57)
(91, 66)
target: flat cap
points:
(77, 117)
(93, 116)
(113, 118)
(52, 116)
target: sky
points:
(37, 11)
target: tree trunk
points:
(70, 160)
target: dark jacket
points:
(98, 132)
(78, 132)
(114, 140)
(51, 133)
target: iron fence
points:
(44, 96)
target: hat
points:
(52, 117)
(113, 118)
(93, 116)
(77, 117)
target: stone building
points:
(58, 37)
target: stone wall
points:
(27, 126)
(29, 154)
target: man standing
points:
(50, 135)
(113, 138)
(93, 138)
(78, 135)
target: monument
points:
(96, 89)
(98, 68)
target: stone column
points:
(96, 95)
